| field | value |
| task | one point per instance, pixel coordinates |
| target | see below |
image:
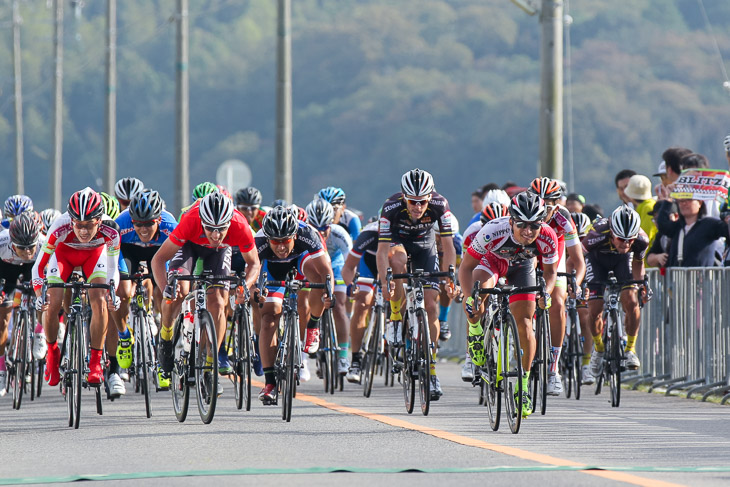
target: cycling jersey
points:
(190, 229)
(338, 244)
(63, 251)
(598, 241)
(396, 224)
(471, 232)
(365, 248)
(8, 255)
(496, 238)
(258, 220)
(129, 236)
(12, 266)
(350, 222)
(563, 226)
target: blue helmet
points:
(17, 204)
(335, 196)
(146, 206)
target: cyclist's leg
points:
(270, 316)
(339, 313)
(398, 259)
(630, 302)
(362, 303)
(315, 268)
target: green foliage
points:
(452, 86)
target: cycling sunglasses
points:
(247, 208)
(530, 225)
(145, 224)
(418, 202)
(25, 248)
(211, 229)
(281, 241)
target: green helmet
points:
(111, 205)
(202, 189)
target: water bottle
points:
(187, 331)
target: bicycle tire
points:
(206, 375)
(19, 352)
(371, 353)
(407, 379)
(534, 381)
(423, 361)
(539, 386)
(78, 369)
(288, 369)
(179, 385)
(490, 381)
(511, 357)
(39, 377)
(614, 361)
(576, 353)
(142, 367)
(332, 351)
(247, 350)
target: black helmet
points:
(280, 222)
(24, 229)
(248, 197)
(527, 207)
(145, 206)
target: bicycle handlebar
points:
(135, 277)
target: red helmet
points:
(300, 212)
(546, 188)
(493, 210)
(85, 205)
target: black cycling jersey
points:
(396, 224)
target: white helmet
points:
(216, 209)
(320, 213)
(417, 182)
(498, 195)
(625, 222)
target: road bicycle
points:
(22, 365)
(572, 354)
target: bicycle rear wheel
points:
(539, 374)
(286, 380)
(371, 353)
(407, 370)
(423, 361)
(245, 349)
(140, 328)
(511, 357)
(576, 353)
(77, 370)
(490, 379)
(206, 366)
(613, 349)
(180, 372)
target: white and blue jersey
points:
(339, 245)
(351, 222)
(132, 248)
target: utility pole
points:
(182, 109)
(551, 92)
(19, 163)
(110, 142)
(56, 186)
(283, 175)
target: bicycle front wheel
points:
(77, 370)
(19, 356)
(575, 349)
(511, 357)
(423, 361)
(613, 349)
(140, 328)
(287, 367)
(407, 370)
(206, 365)
(242, 352)
(371, 353)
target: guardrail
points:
(684, 339)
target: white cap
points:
(662, 170)
(639, 188)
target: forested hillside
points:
(380, 86)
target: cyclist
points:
(617, 244)
(14, 206)
(320, 214)
(345, 218)
(507, 247)
(285, 243)
(248, 202)
(559, 219)
(78, 238)
(199, 192)
(491, 210)
(19, 247)
(444, 299)
(407, 220)
(143, 227)
(125, 189)
(48, 216)
(206, 232)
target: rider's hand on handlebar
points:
(545, 302)
(113, 302)
(41, 303)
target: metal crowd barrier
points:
(684, 339)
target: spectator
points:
(575, 203)
(593, 211)
(621, 180)
(672, 159)
(695, 237)
(476, 200)
(726, 143)
(639, 192)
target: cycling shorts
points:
(65, 259)
(134, 255)
(11, 272)
(520, 273)
(217, 260)
(277, 271)
(368, 270)
(598, 267)
(424, 255)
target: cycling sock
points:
(356, 357)
(555, 351)
(313, 322)
(433, 359)
(444, 312)
(342, 352)
(52, 345)
(269, 376)
(38, 328)
(125, 335)
(598, 343)
(585, 359)
(475, 328)
(113, 365)
(166, 333)
(630, 343)
(2, 363)
(525, 381)
(208, 361)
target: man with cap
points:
(639, 192)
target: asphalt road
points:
(345, 438)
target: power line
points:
(714, 39)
